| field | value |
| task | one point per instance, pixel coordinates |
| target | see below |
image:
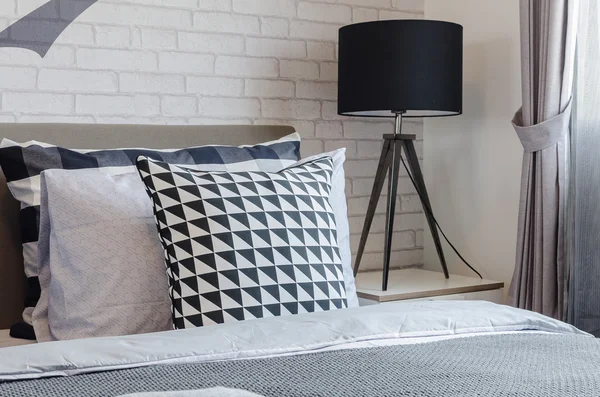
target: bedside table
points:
(7, 341)
(417, 284)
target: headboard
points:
(96, 136)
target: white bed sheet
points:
(387, 324)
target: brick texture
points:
(218, 62)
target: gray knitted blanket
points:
(528, 365)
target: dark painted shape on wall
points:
(39, 29)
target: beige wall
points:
(473, 162)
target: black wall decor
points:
(39, 29)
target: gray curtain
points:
(583, 231)
(548, 31)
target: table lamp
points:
(398, 69)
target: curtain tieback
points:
(545, 134)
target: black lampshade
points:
(409, 66)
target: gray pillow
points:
(101, 266)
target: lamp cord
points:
(430, 212)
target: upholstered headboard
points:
(79, 136)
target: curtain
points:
(584, 211)
(548, 33)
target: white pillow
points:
(102, 270)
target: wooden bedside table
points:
(7, 341)
(412, 284)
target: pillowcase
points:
(246, 245)
(337, 199)
(22, 164)
(101, 266)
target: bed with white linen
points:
(437, 348)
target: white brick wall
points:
(216, 62)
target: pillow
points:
(337, 199)
(246, 245)
(22, 165)
(101, 267)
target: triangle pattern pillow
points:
(246, 245)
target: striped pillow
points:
(22, 164)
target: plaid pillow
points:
(22, 164)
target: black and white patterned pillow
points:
(246, 245)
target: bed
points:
(424, 348)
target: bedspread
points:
(421, 349)
(531, 365)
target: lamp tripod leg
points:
(415, 169)
(382, 170)
(391, 210)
